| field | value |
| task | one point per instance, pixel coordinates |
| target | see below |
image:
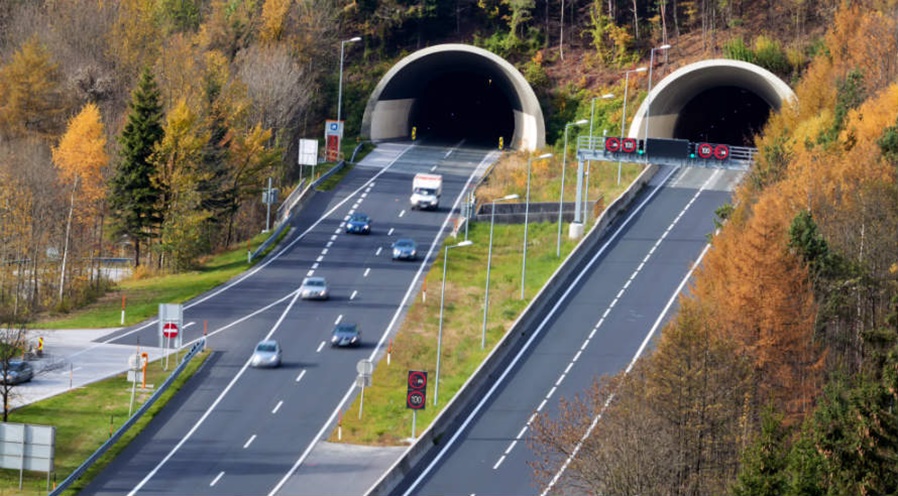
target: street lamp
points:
(489, 258)
(645, 145)
(436, 383)
(526, 217)
(563, 166)
(624, 115)
(340, 84)
(580, 187)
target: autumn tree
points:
(178, 164)
(81, 159)
(31, 96)
(134, 198)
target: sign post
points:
(170, 324)
(416, 395)
(333, 134)
(364, 368)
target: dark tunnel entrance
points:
(464, 105)
(723, 114)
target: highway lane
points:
(243, 431)
(597, 327)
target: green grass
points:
(143, 296)
(84, 419)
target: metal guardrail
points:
(680, 153)
(78, 472)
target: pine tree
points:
(135, 199)
(764, 462)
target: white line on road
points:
(319, 259)
(367, 271)
(352, 296)
(320, 347)
(299, 377)
(249, 441)
(390, 232)
(401, 213)
(277, 407)
(339, 318)
(189, 324)
(501, 459)
(379, 248)
(217, 478)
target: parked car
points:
(266, 354)
(17, 372)
(405, 249)
(346, 334)
(314, 288)
(358, 223)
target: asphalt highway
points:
(604, 320)
(235, 430)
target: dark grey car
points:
(405, 249)
(346, 334)
(17, 372)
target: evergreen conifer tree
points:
(134, 199)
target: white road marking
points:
(401, 213)
(320, 347)
(249, 441)
(367, 271)
(319, 259)
(379, 249)
(216, 479)
(496, 466)
(339, 318)
(390, 232)
(277, 407)
(352, 296)
(299, 377)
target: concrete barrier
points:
(449, 420)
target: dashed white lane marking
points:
(367, 271)
(310, 273)
(249, 441)
(324, 251)
(319, 259)
(339, 318)
(334, 236)
(314, 265)
(377, 254)
(277, 407)
(401, 213)
(352, 296)
(217, 478)
(320, 347)
(329, 244)
(299, 377)
(605, 314)
(390, 232)
(433, 168)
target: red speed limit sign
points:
(416, 397)
(628, 145)
(705, 150)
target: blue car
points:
(358, 223)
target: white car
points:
(266, 354)
(314, 288)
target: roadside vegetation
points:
(85, 418)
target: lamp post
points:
(645, 146)
(526, 218)
(489, 259)
(436, 383)
(581, 192)
(563, 167)
(623, 118)
(340, 83)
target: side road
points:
(73, 358)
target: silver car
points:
(314, 288)
(266, 354)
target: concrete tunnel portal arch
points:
(455, 91)
(716, 101)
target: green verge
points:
(84, 419)
(143, 296)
